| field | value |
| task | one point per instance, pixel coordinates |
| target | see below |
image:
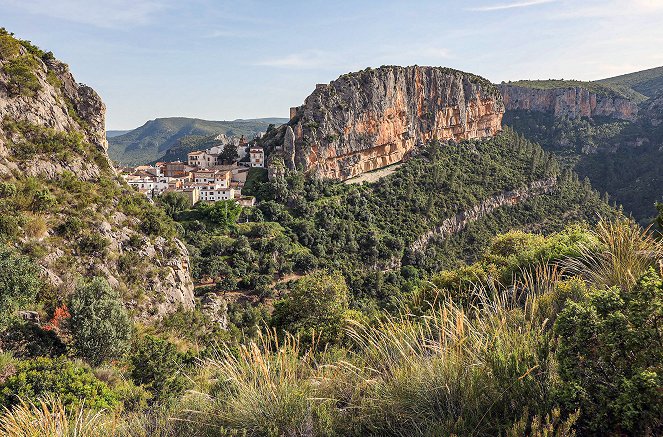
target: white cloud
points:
(309, 59)
(515, 5)
(98, 13)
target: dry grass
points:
(49, 418)
(627, 251)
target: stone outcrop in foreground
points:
(572, 102)
(373, 118)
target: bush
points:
(41, 377)
(93, 244)
(28, 340)
(156, 365)
(99, 323)
(19, 283)
(314, 308)
(611, 359)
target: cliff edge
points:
(373, 118)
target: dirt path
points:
(374, 175)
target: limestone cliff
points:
(569, 101)
(60, 199)
(373, 118)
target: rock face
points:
(49, 112)
(572, 102)
(371, 119)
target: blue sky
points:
(225, 60)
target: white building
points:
(221, 178)
(257, 156)
(214, 193)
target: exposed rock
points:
(215, 307)
(459, 221)
(289, 148)
(371, 119)
(572, 102)
(63, 105)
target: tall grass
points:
(627, 251)
(466, 371)
(49, 418)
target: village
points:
(206, 176)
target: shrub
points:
(156, 364)
(315, 308)
(99, 323)
(7, 189)
(41, 377)
(22, 78)
(611, 359)
(28, 340)
(93, 244)
(19, 283)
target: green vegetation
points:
(619, 157)
(19, 284)
(647, 82)
(43, 377)
(99, 323)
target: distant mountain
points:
(152, 140)
(610, 131)
(115, 133)
(647, 82)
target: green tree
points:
(156, 364)
(224, 212)
(611, 359)
(99, 324)
(19, 283)
(316, 306)
(173, 203)
(40, 377)
(229, 154)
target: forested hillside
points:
(620, 156)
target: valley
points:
(414, 251)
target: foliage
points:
(28, 340)
(19, 283)
(173, 202)
(156, 364)
(610, 358)
(229, 154)
(99, 323)
(314, 308)
(22, 78)
(41, 377)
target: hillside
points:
(647, 82)
(612, 138)
(151, 141)
(61, 202)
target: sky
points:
(223, 60)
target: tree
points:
(19, 283)
(155, 365)
(610, 357)
(224, 212)
(173, 203)
(229, 154)
(316, 306)
(99, 323)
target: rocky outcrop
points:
(459, 221)
(53, 129)
(572, 102)
(371, 119)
